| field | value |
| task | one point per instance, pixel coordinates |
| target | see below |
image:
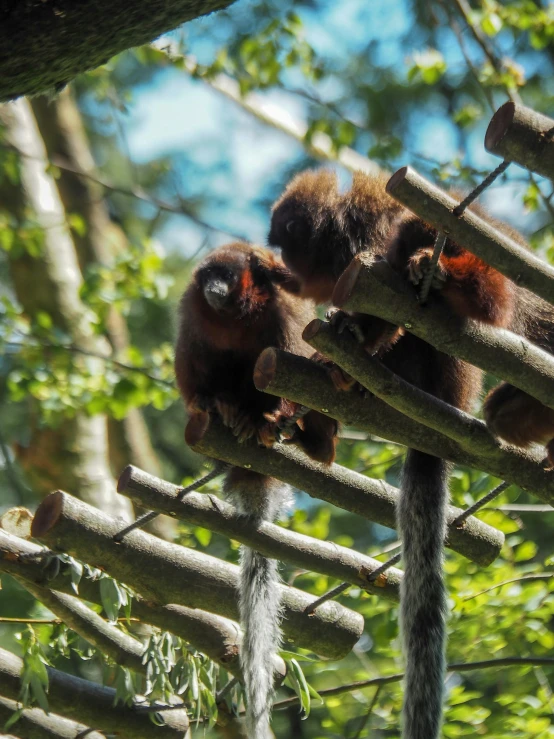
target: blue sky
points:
(176, 115)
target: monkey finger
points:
(241, 423)
(341, 380)
(266, 435)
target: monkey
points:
(509, 412)
(234, 307)
(319, 231)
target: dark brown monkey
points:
(511, 413)
(320, 231)
(233, 309)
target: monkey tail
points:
(261, 499)
(423, 609)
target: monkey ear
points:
(274, 271)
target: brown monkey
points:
(234, 308)
(320, 231)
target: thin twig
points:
(368, 713)
(481, 502)
(454, 667)
(85, 352)
(329, 595)
(537, 576)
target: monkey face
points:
(218, 283)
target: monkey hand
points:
(244, 425)
(419, 265)
(342, 321)
(340, 379)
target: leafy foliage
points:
(400, 87)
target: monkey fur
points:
(234, 307)
(319, 231)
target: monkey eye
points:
(290, 226)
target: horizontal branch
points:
(453, 667)
(372, 499)
(373, 287)
(160, 570)
(215, 636)
(57, 50)
(121, 647)
(302, 381)
(35, 724)
(469, 432)
(273, 541)
(519, 134)
(496, 248)
(320, 145)
(92, 704)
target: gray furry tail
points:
(261, 499)
(260, 614)
(423, 610)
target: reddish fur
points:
(330, 228)
(476, 290)
(216, 350)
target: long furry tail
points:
(423, 610)
(261, 499)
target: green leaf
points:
(109, 592)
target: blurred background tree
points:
(114, 189)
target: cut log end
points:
(196, 428)
(500, 122)
(396, 179)
(264, 370)
(124, 478)
(345, 283)
(47, 514)
(312, 329)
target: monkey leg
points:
(519, 419)
(341, 380)
(317, 436)
(200, 403)
(419, 265)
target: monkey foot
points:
(341, 380)
(420, 264)
(200, 403)
(341, 321)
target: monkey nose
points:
(216, 292)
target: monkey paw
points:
(420, 264)
(228, 410)
(341, 321)
(200, 402)
(341, 380)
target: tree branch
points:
(51, 282)
(35, 724)
(454, 667)
(372, 499)
(158, 570)
(469, 432)
(217, 637)
(85, 701)
(302, 381)
(57, 50)
(122, 648)
(320, 144)
(365, 286)
(496, 248)
(520, 134)
(273, 541)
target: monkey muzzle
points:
(217, 293)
